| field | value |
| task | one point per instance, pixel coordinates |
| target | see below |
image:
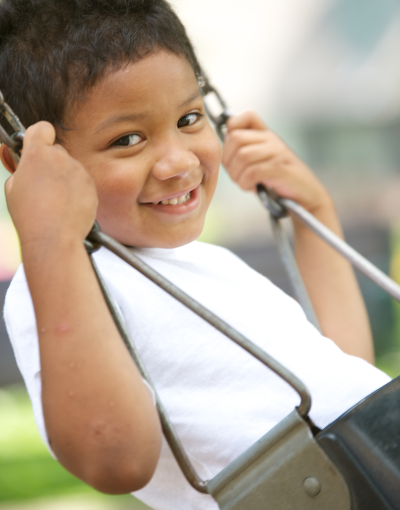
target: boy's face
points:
(143, 136)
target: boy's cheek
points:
(212, 154)
(212, 162)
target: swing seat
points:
(364, 444)
(353, 464)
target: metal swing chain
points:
(13, 142)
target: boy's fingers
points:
(249, 155)
(246, 120)
(42, 133)
(266, 174)
(239, 138)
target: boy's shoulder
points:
(18, 284)
(196, 252)
(18, 306)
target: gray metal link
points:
(219, 119)
(14, 142)
(277, 212)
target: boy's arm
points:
(333, 288)
(99, 415)
(253, 154)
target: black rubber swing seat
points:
(364, 444)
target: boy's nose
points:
(175, 161)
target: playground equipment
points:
(353, 464)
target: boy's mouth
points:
(182, 199)
(185, 203)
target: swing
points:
(353, 464)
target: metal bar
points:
(289, 262)
(277, 211)
(275, 471)
(129, 257)
(169, 433)
(254, 452)
(361, 263)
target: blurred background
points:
(325, 75)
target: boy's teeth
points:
(178, 200)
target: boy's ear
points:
(7, 159)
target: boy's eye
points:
(188, 120)
(128, 140)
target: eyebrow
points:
(117, 119)
(137, 116)
(192, 98)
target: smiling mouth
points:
(182, 199)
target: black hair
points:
(53, 51)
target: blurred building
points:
(339, 100)
(340, 92)
(347, 68)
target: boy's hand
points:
(50, 196)
(253, 154)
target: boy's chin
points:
(173, 240)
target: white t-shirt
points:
(220, 399)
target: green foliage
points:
(37, 476)
(389, 361)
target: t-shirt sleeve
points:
(19, 316)
(20, 320)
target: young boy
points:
(127, 142)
